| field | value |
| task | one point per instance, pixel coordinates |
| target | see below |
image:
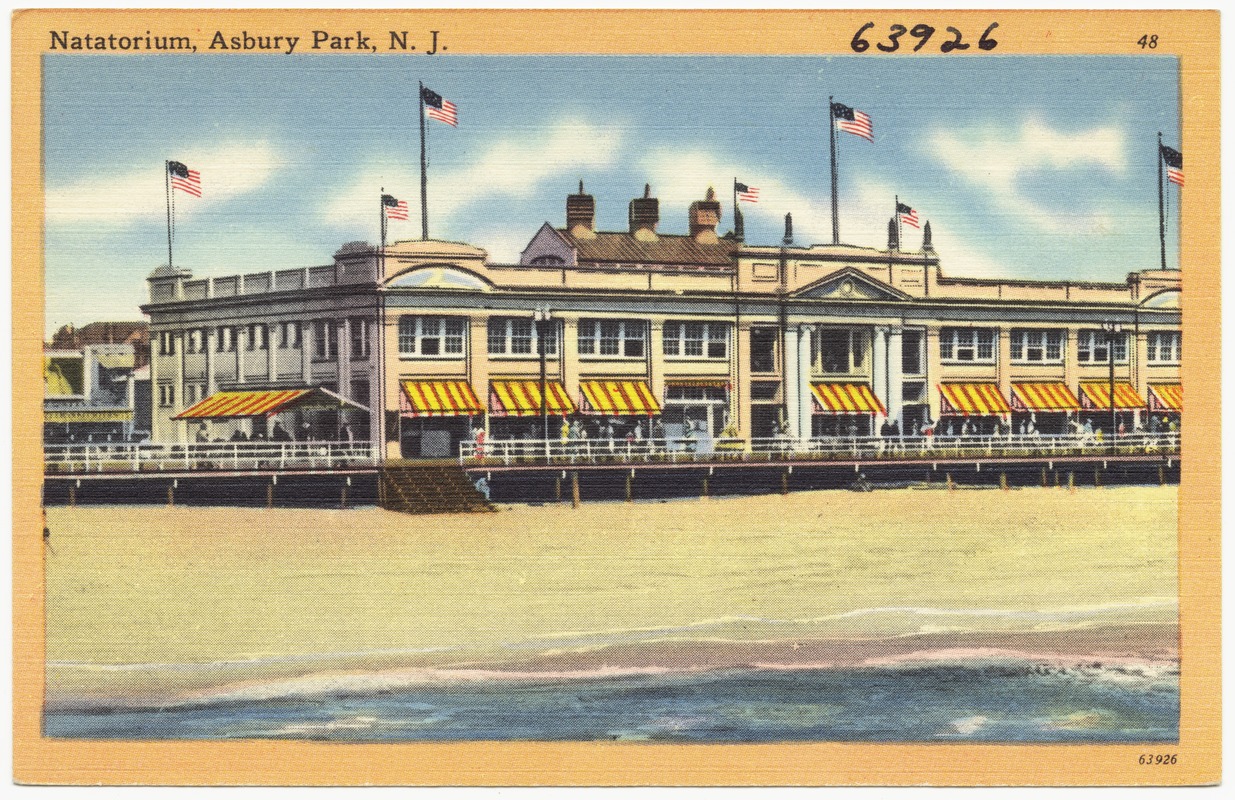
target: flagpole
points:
(167, 188)
(832, 140)
(738, 233)
(896, 214)
(381, 221)
(424, 180)
(1161, 211)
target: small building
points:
(93, 393)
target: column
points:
(343, 356)
(934, 371)
(389, 391)
(272, 370)
(739, 393)
(569, 349)
(1003, 362)
(209, 339)
(478, 362)
(802, 387)
(896, 378)
(656, 359)
(792, 378)
(879, 368)
(242, 338)
(306, 350)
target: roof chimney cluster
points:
(644, 216)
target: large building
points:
(651, 334)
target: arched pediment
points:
(440, 277)
(1168, 298)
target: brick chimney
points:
(644, 214)
(581, 215)
(704, 217)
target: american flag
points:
(853, 121)
(395, 209)
(439, 108)
(186, 180)
(908, 215)
(1174, 165)
(748, 193)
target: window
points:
(193, 393)
(167, 343)
(325, 339)
(696, 339)
(167, 395)
(839, 350)
(1091, 347)
(258, 337)
(196, 341)
(225, 340)
(911, 352)
(703, 394)
(435, 337)
(967, 344)
(360, 339)
(1041, 346)
(289, 335)
(1164, 347)
(612, 337)
(763, 349)
(519, 335)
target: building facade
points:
(650, 334)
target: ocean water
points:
(997, 700)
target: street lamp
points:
(1113, 331)
(542, 318)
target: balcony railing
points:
(861, 448)
(76, 459)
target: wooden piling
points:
(1097, 477)
(270, 495)
(784, 482)
(704, 494)
(1071, 481)
(1044, 482)
(1056, 479)
(574, 490)
(557, 488)
(343, 497)
(72, 497)
(950, 485)
(1003, 480)
(629, 494)
(1161, 476)
(171, 495)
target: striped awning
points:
(846, 398)
(1096, 395)
(222, 405)
(1044, 396)
(972, 399)
(522, 398)
(1166, 397)
(439, 399)
(89, 415)
(618, 398)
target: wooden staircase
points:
(429, 487)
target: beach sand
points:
(156, 601)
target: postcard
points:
(616, 397)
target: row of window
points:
(288, 336)
(833, 350)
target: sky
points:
(1026, 167)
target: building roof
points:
(668, 249)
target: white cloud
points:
(510, 168)
(997, 162)
(119, 199)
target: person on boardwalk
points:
(280, 434)
(203, 434)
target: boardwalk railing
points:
(861, 448)
(76, 459)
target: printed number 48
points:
(1148, 41)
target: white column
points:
(879, 366)
(306, 350)
(802, 389)
(344, 358)
(792, 379)
(242, 339)
(208, 340)
(896, 379)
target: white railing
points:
(83, 458)
(864, 448)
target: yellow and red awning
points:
(522, 398)
(439, 399)
(1044, 396)
(972, 399)
(618, 398)
(846, 398)
(261, 403)
(1166, 397)
(1096, 395)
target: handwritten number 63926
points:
(923, 34)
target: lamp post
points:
(1113, 331)
(542, 318)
